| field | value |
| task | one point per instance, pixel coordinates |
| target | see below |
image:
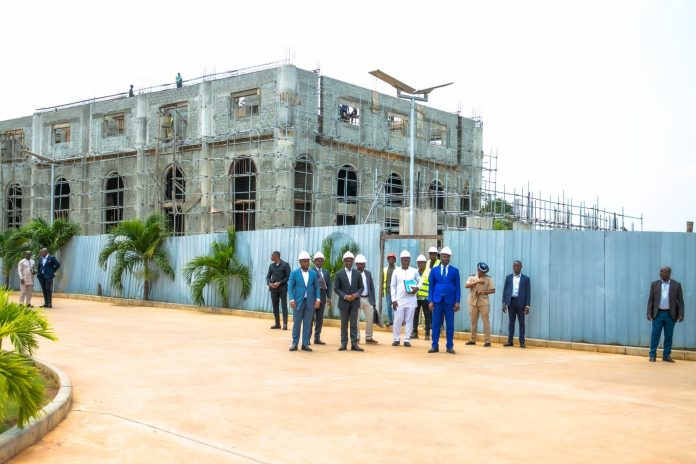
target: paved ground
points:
(170, 386)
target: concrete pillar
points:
(206, 129)
(280, 212)
(140, 144)
(36, 147)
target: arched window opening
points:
(347, 185)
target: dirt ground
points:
(170, 386)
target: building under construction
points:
(272, 146)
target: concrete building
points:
(268, 147)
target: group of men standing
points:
(45, 271)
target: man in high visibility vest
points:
(422, 296)
(386, 284)
(433, 261)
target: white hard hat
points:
(318, 254)
(432, 249)
(360, 259)
(421, 258)
(348, 254)
(446, 251)
(303, 255)
(405, 254)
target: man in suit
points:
(48, 265)
(665, 309)
(277, 281)
(516, 297)
(444, 293)
(305, 299)
(348, 285)
(367, 299)
(324, 281)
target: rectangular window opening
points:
(60, 133)
(114, 125)
(245, 103)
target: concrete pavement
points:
(156, 385)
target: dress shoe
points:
(396, 343)
(433, 350)
(306, 348)
(487, 344)
(48, 306)
(285, 327)
(342, 348)
(668, 359)
(389, 324)
(471, 342)
(371, 341)
(414, 335)
(652, 359)
(407, 344)
(508, 344)
(29, 305)
(293, 348)
(42, 306)
(522, 345)
(356, 348)
(276, 326)
(427, 337)
(451, 351)
(318, 342)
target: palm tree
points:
(217, 269)
(138, 249)
(12, 244)
(19, 377)
(51, 236)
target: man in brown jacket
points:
(665, 309)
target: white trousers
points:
(366, 309)
(401, 314)
(25, 293)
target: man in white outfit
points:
(25, 269)
(404, 286)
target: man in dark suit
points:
(516, 297)
(665, 309)
(277, 281)
(304, 301)
(48, 265)
(324, 280)
(444, 293)
(348, 285)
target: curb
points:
(13, 441)
(683, 355)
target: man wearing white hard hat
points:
(324, 280)
(348, 285)
(367, 298)
(444, 293)
(422, 299)
(305, 298)
(404, 286)
(432, 261)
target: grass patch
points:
(9, 418)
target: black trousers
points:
(515, 311)
(318, 321)
(279, 297)
(427, 314)
(350, 314)
(47, 289)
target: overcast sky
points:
(583, 98)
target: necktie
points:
(322, 282)
(445, 271)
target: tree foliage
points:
(217, 269)
(12, 244)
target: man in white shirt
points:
(367, 298)
(404, 286)
(25, 269)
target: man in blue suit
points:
(304, 292)
(444, 294)
(47, 267)
(517, 294)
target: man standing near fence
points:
(516, 297)
(386, 285)
(665, 309)
(48, 265)
(444, 293)
(422, 299)
(324, 280)
(367, 299)
(404, 286)
(25, 268)
(480, 286)
(277, 281)
(305, 299)
(348, 285)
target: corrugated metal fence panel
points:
(586, 286)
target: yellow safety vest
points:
(423, 289)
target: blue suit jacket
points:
(524, 294)
(297, 289)
(48, 270)
(444, 289)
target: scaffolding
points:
(320, 171)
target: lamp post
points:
(407, 92)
